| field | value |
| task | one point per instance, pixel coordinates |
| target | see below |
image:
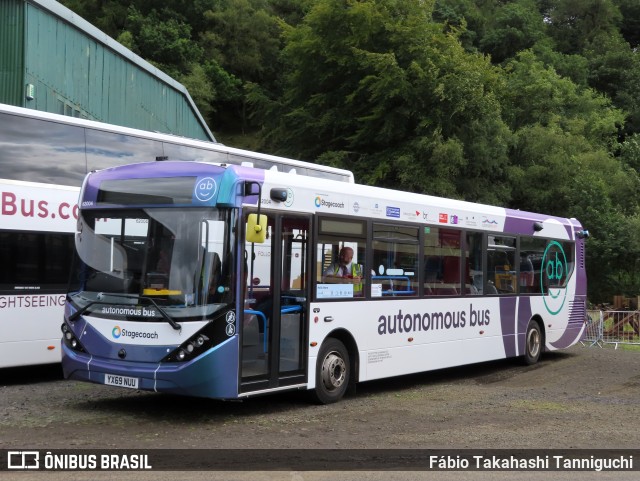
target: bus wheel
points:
(332, 372)
(533, 343)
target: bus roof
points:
(230, 155)
(307, 194)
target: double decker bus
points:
(43, 159)
(219, 281)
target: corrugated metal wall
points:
(11, 52)
(75, 74)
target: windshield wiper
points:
(82, 310)
(79, 312)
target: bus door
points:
(275, 306)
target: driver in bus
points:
(345, 271)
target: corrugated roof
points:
(98, 35)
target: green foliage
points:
(377, 87)
(515, 26)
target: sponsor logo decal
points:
(470, 221)
(491, 223)
(443, 218)
(356, 207)
(393, 212)
(453, 219)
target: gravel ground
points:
(578, 398)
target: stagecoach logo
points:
(118, 332)
(322, 202)
(554, 274)
(205, 189)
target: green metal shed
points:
(54, 61)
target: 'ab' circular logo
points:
(117, 332)
(554, 270)
(205, 189)
(289, 201)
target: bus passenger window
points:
(442, 252)
(395, 259)
(340, 257)
(501, 265)
(474, 279)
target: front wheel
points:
(533, 343)
(333, 371)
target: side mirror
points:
(256, 230)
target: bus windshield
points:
(178, 261)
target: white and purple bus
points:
(217, 281)
(43, 159)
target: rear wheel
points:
(533, 343)
(333, 371)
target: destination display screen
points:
(147, 191)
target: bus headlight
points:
(70, 340)
(212, 334)
(193, 347)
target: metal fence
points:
(612, 327)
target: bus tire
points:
(532, 343)
(333, 371)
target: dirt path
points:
(580, 398)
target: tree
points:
(378, 87)
(515, 26)
(614, 69)
(536, 94)
(575, 23)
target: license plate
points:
(121, 381)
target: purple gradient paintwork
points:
(507, 312)
(575, 326)
(149, 170)
(520, 222)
